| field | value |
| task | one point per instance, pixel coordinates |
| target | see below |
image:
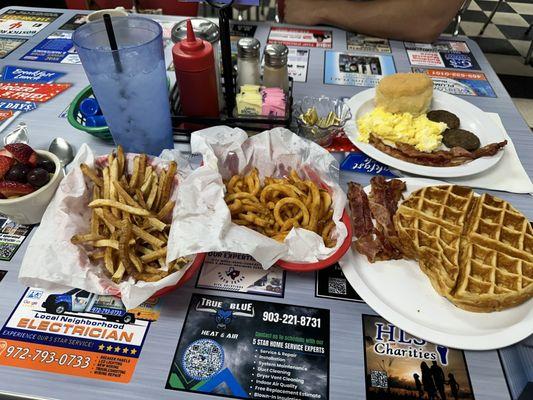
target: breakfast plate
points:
(402, 294)
(472, 119)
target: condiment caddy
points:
(200, 63)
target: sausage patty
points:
(460, 138)
(447, 117)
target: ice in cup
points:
(130, 83)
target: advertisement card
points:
(12, 73)
(443, 54)
(243, 348)
(56, 48)
(354, 69)
(25, 22)
(297, 62)
(5, 115)
(401, 366)
(7, 45)
(2, 274)
(36, 92)
(238, 31)
(12, 235)
(332, 284)
(74, 23)
(360, 162)
(463, 83)
(76, 333)
(20, 106)
(301, 37)
(235, 272)
(358, 42)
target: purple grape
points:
(18, 173)
(46, 164)
(38, 177)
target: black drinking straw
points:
(112, 42)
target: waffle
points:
(476, 251)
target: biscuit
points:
(405, 92)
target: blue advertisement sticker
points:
(250, 349)
(460, 61)
(465, 83)
(360, 162)
(13, 73)
(442, 54)
(13, 105)
(56, 48)
(354, 69)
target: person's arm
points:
(413, 20)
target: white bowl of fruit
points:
(28, 181)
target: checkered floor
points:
(506, 34)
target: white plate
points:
(472, 119)
(402, 294)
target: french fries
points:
(279, 205)
(130, 210)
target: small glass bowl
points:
(324, 106)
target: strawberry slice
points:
(6, 153)
(12, 189)
(5, 164)
(22, 153)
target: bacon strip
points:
(375, 243)
(384, 199)
(360, 210)
(439, 158)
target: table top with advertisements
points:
(235, 330)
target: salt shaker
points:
(248, 62)
(275, 73)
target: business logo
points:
(458, 60)
(392, 341)
(34, 294)
(13, 73)
(231, 276)
(359, 162)
(225, 312)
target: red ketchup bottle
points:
(194, 64)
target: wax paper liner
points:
(52, 262)
(204, 220)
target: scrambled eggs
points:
(419, 131)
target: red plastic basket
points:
(315, 266)
(195, 266)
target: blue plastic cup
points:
(89, 107)
(95, 120)
(129, 83)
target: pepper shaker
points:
(276, 73)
